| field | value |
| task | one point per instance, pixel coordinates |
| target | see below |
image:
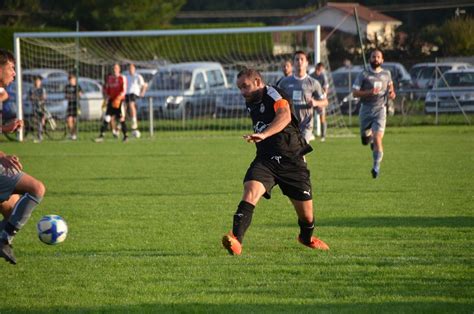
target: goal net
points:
(191, 74)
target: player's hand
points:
(11, 163)
(12, 126)
(392, 94)
(254, 138)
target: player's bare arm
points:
(12, 126)
(391, 91)
(282, 118)
(323, 103)
(364, 93)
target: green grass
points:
(146, 218)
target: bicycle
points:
(54, 127)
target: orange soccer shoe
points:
(231, 244)
(315, 244)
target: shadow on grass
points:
(410, 221)
(386, 221)
(387, 307)
(144, 194)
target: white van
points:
(184, 90)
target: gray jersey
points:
(368, 80)
(300, 91)
(322, 79)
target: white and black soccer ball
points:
(52, 229)
(136, 134)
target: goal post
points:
(91, 54)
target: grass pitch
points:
(146, 218)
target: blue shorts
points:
(8, 181)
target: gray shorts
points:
(372, 118)
(8, 181)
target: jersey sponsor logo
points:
(277, 158)
(260, 126)
(262, 108)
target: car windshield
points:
(55, 86)
(414, 72)
(457, 80)
(342, 79)
(171, 80)
(430, 72)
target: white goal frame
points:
(316, 29)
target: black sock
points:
(124, 128)
(306, 231)
(242, 219)
(103, 128)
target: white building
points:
(375, 26)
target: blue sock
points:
(378, 156)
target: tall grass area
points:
(146, 218)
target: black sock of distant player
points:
(124, 128)
(242, 219)
(104, 126)
(306, 230)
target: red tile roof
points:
(364, 12)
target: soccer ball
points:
(52, 229)
(136, 133)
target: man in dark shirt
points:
(72, 92)
(279, 161)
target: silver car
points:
(455, 90)
(90, 102)
(184, 90)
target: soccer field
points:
(146, 219)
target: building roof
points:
(364, 12)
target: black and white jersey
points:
(288, 142)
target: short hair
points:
(319, 65)
(300, 52)
(71, 75)
(374, 50)
(5, 57)
(250, 73)
(37, 78)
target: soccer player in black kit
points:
(279, 161)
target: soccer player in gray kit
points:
(374, 87)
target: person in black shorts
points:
(279, 161)
(72, 92)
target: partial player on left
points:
(20, 193)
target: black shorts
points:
(71, 109)
(130, 97)
(114, 112)
(291, 174)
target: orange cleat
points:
(315, 244)
(231, 244)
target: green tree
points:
(126, 14)
(457, 35)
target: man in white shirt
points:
(136, 87)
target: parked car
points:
(28, 75)
(343, 79)
(180, 89)
(146, 73)
(424, 74)
(10, 107)
(90, 102)
(271, 77)
(454, 90)
(400, 76)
